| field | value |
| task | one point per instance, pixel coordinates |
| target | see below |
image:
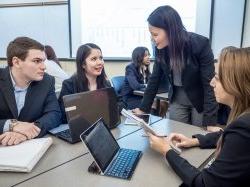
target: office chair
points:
(117, 82)
(3, 65)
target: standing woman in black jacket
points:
(187, 60)
(136, 77)
(231, 166)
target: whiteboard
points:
(47, 24)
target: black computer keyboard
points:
(124, 164)
(64, 134)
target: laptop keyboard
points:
(65, 134)
(124, 164)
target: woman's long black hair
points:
(81, 79)
(167, 18)
(137, 58)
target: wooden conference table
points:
(72, 169)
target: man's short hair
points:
(20, 47)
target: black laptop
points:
(110, 159)
(83, 109)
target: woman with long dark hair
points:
(231, 166)
(90, 74)
(136, 76)
(187, 60)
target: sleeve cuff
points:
(38, 124)
(171, 155)
(6, 126)
(202, 140)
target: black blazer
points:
(196, 77)
(40, 103)
(69, 86)
(134, 80)
(231, 167)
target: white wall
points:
(47, 24)
(26, 1)
(203, 13)
(76, 29)
(227, 25)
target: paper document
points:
(24, 156)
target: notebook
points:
(109, 157)
(23, 157)
(83, 109)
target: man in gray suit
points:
(28, 104)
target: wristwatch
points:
(13, 123)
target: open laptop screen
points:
(101, 144)
(85, 108)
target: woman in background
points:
(231, 166)
(54, 68)
(90, 74)
(136, 77)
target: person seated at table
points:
(231, 166)
(54, 68)
(136, 77)
(90, 74)
(28, 103)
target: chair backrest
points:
(117, 83)
(3, 65)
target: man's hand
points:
(12, 138)
(28, 129)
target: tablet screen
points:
(101, 144)
(145, 117)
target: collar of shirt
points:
(16, 88)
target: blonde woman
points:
(231, 166)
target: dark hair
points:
(82, 81)
(137, 58)
(20, 47)
(167, 18)
(51, 55)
